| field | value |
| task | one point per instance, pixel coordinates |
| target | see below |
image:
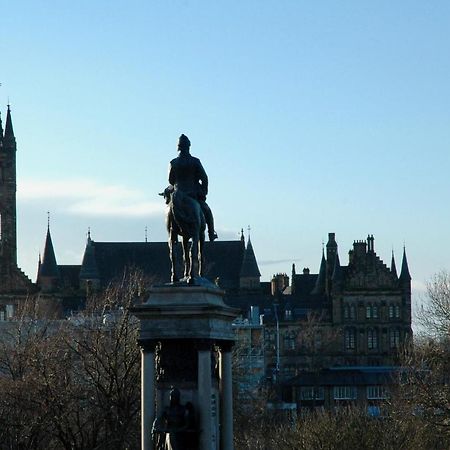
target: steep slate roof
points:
(249, 264)
(321, 279)
(48, 267)
(89, 268)
(223, 259)
(69, 276)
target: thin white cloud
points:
(90, 198)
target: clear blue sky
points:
(309, 117)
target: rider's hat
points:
(184, 142)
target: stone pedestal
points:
(186, 339)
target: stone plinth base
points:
(186, 338)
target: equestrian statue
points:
(188, 213)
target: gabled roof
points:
(223, 259)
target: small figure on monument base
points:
(188, 212)
(176, 428)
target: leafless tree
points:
(73, 384)
(434, 315)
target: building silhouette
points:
(355, 315)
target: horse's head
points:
(167, 194)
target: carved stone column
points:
(207, 438)
(147, 393)
(226, 393)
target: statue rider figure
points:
(187, 174)
(176, 428)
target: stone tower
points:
(8, 238)
(14, 284)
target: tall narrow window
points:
(394, 338)
(346, 312)
(375, 311)
(391, 311)
(372, 339)
(349, 338)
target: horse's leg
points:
(173, 277)
(201, 256)
(194, 257)
(186, 257)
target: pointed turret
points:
(404, 273)
(39, 266)
(9, 132)
(48, 275)
(49, 267)
(250, 275)
(249, 266)
(320, 286)
(393, 266)
(89, 270)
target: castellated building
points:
(357, 314)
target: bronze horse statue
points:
(185, 218)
